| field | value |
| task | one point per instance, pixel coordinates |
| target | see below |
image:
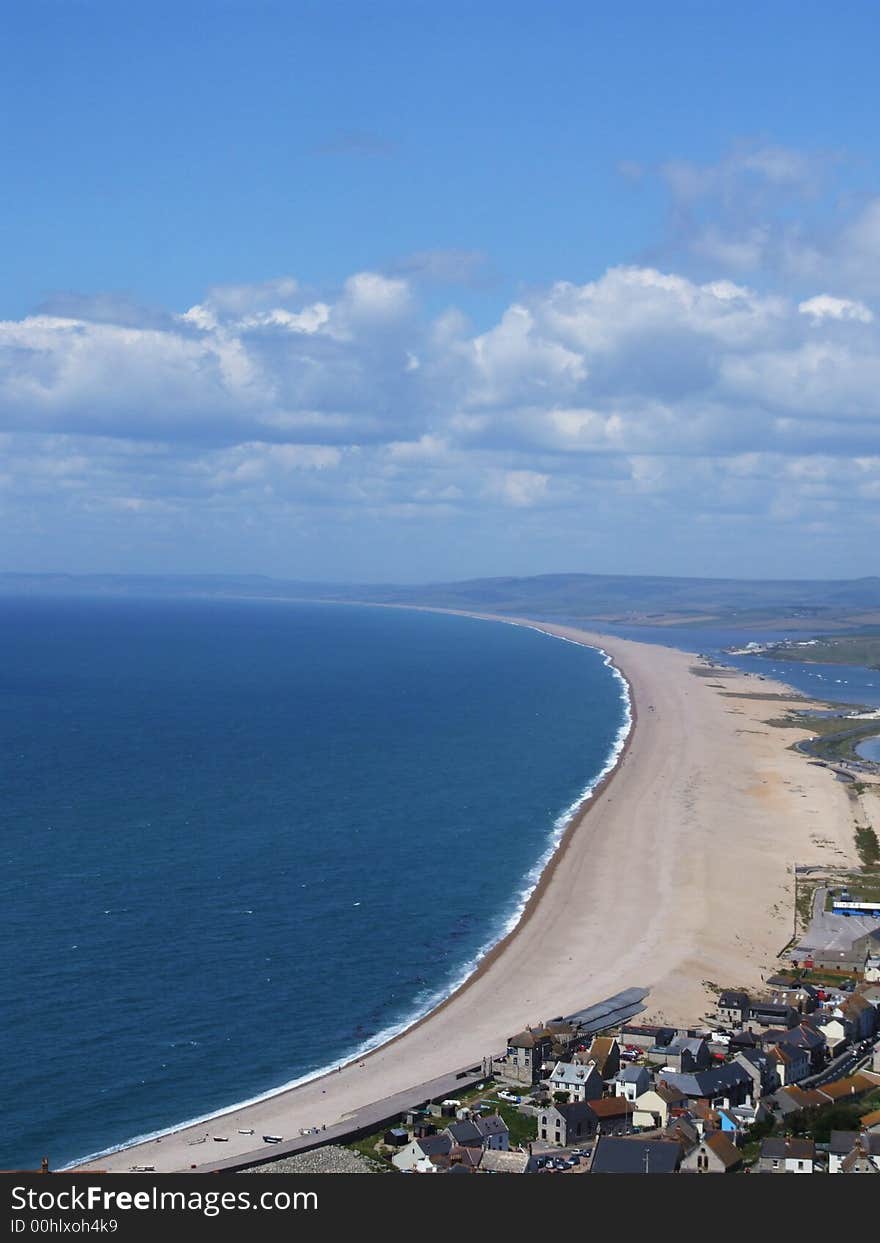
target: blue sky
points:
(421, 290)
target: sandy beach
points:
(676, 875)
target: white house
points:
(631, 1082)
(582, 1083)
(417, 1151)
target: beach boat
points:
(272, 1139)
(220, 1139)
(248, 1130)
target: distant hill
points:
(646, 600)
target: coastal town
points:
(785, 1082)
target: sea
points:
(245, 841)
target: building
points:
(612, 1115)
(631, 1082)
(480, 1132)
(806, 1037)
(713, 1155)
(771, 1014)
(654, 1107)
(604, 1053)
(581, 1082)
(635, 1156)
(683, 1053)
(725, 1085)
(564, 1125)
(791, 1063)
(643, 1036)
(787, 1156)
(839, 942)
(843, 1143)
(733, 1007)
(495, 1162)
(421, 1150)
(527, 1051)
(762, 1068)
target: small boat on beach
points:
(248, 1130)
(272, 1139)
(220, 1139)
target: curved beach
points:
(675, 875)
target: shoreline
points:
(573, 908)
(570, 817)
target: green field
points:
(849, 649)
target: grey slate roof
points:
(465, 1133)
(494, 1124)
(630, 1156)
(632, 1074)
(434, 1145)
(709, 1083)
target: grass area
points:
(367, 1148)
(523, 1127)
(819, 1123)
(867, 846)
(851, 649)
(833, 737)
(813, 975)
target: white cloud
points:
(643, 393)
(823, 306)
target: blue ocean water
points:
(241, 840)
(846, 684)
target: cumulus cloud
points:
(645, 394)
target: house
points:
(526, 1054)
(725, 1085)
(850, 1088)
(684, 1053)
(631, 1082)
(613, 1114)
(713, 1155)
(794, 1100)
(653, 1108)
(833, 1029)
(686, 1130)
(843, 1143)
(744, 1040)
(791, 1064)
(804, 1036)
(565, 1124)
(733, 1007)
(787, 1156)
(495, 1162)
(771, 1014)
(604, 1053)
(480, 1132)
(860, 1017)
(635, 1156)
(420, 1150)
(762, 1069)
(396, 1137)
(864, 1158)
(582, 1083)
(459, 1160)
(797, 993)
